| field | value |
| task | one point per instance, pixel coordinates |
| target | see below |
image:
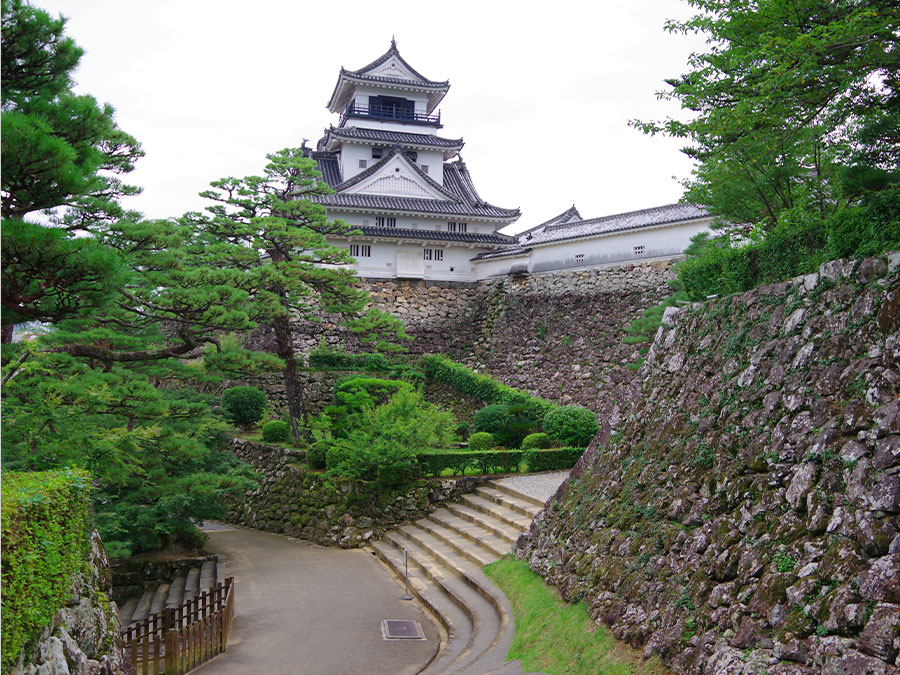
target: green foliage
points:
(245, 405)
(354, 394)
(442, 369)
(509, 424)
(556, 637)
(45, 535)
(538, 441)
(383, 443)
(324, 357)
(795, 246)
(462, 431)
(491, 418)
(276, 431)
(458, 463)
(571, 425)
(784, 562)
(480, 441)
(642, 331)
(552, 459)
(783, 115)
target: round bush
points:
(462, 431)
(491, 418)
(571, 425)
(536, 441)
(276, 431)
(245, 405)
(480, 441)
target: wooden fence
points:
(176, 640)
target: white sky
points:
(541, 92)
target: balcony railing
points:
(388, 112)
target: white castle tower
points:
(400, 183)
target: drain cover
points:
(402, 629)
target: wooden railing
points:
(176, 640)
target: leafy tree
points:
(265, 229)
(796, 104)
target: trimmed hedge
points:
(276, 431)
(571, 425)
(481, 441)
(536, 441)
(45, 535)
(553, 459)
(245, 405)
(486, 461)
(442, 369)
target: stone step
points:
(482, 537)
(176, 592)
(509, 533)
(497, 511)
(142, 609)
(517, 504)
(192, 584)
(439, 561)
(457, 628)
(512, 492)
(158, 603)
(208, 575)
(126, 611)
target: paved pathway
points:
(308, 610)
(538, 485)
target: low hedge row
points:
(498, 461)
(45, 537)
(553, 459)
(442, 369)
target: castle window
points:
(579, 257)
(362, 164)
(385, 221)
(360, 250)
(639, 250)
(434, 254)
(454, 226)
(377, 153)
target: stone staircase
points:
(184, 587)
(446, 552)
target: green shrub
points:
(276, 431)
(353, 394)
(571, 425)
(45, 536)
(490, 418)
(552, 459)
(315, 454)
(244, 405)
(481, 440)
(535, 441)
(486, 461)
(442, 369)
(462, 431)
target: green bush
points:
(509, 424)
(486, 461)
(553, 459)
(571, 425)
(244, 405)
(490, 418)
(276, 431)
(481, 440)
(535, 441)
(462, 431)
(316, 453)
(442, 369)
(45, 536)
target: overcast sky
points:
(541, 92)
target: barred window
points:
(385, 221)
(360, 250)
(456, 226)
(434, 254)
(639, 250)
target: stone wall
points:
(744, 517)
(83, 637)
(132, 576)
(331, 511)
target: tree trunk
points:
(293, 387)
(7, 333)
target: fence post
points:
(171, 662)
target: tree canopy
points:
(795, 104)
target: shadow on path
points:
(306, 609)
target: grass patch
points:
(553, 636)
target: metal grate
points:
(402, 629)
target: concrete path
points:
(304, 609)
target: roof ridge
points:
(393, 152)
(392, 51)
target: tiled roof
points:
(414, 205)
(574, 229)
(566, 216)
(505, 253)
(462, 237)
(393, 51)
(329, 166)
(380, 136)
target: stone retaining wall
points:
(298, 502)
(745, 517)
(132, 576)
